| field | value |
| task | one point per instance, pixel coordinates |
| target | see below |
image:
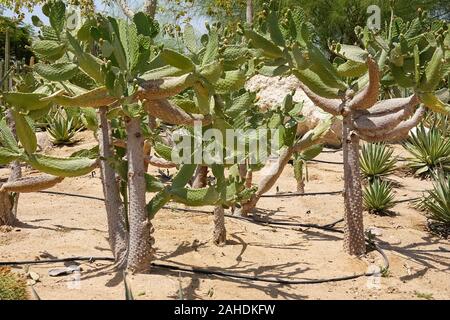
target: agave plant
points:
(436, 202)
(430, 151)
(378, 197)
(62, 128)
(376, 160)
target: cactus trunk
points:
(250, 11)
(9, 200)
(140, 252)
(200, 177)
(150, 7)
(7, 217)
(354, 243)
(115, 210)
(220, 233)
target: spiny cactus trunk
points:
(200, 177)
(115, 210)
(220, 233)
(354, 243)
(140, 252)
(7, 217)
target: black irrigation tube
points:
(300, 194)
(406, 200)
(72, 195)
(326, 162)
(218, 273)
(328, 227)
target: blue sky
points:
(197, 21)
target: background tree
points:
(19, 35)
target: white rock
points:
(43, 141)
(273, 90)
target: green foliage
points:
(12, 287)
(60, 167)
(376, 160)
(378, 197)
(62, 128)
(20, 37)
(436, 202)
(430, 151)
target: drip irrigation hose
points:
(218, 273)
(326, 162)
(300, 194)
(72, 195)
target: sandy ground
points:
(58, 226)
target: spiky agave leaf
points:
(429, 150)
(436, 202)
(376, 160)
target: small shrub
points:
(376, 160)
(12, 287)
(430, 151)
(378, 197)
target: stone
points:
(43, 141)
(271, 91)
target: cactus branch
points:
(170, 113)
(159, 162)
(200, 177)
(332, 106)
(400, 132)
(31, 184)
(369, 95)
(391, 105)
(371, 124)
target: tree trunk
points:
(9, 201)
(141, 250)
(7, 217)
(200, 177)
(150, 7)
(354, 243)
(220, 233)
(115, 209)
(250, 11)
